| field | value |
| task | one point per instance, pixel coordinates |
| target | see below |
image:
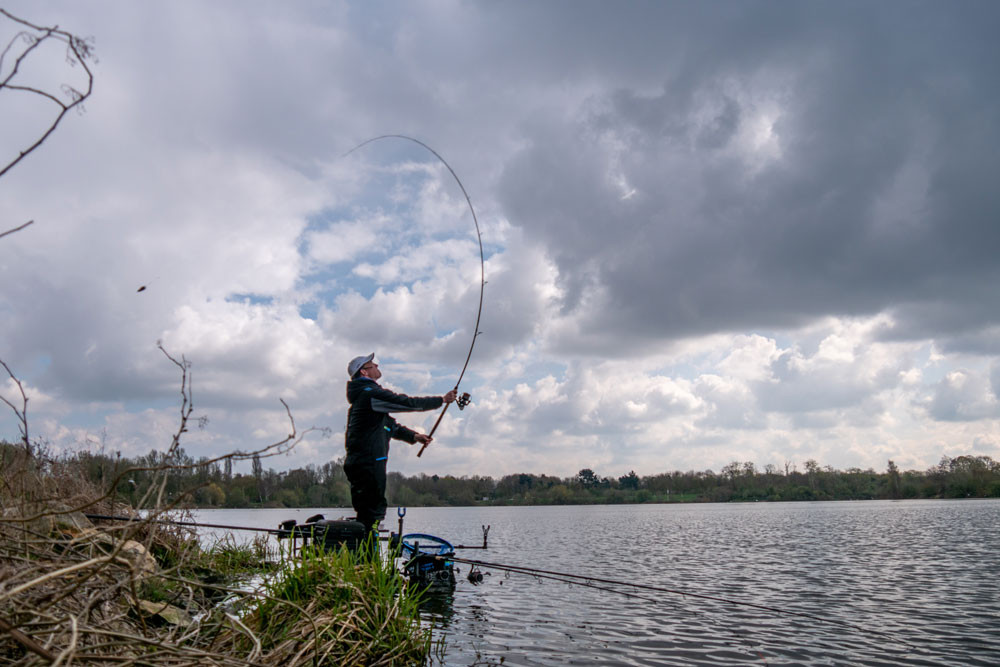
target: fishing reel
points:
(463, 400)
(476, 576)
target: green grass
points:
(337, 608)
(229, 558)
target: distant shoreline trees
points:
(207, 484)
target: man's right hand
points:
(450, 396)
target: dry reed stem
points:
(69, 593)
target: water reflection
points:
(437, 607)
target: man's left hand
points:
(422, 439)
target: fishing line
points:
(571, 582)
(584, 584)
(482, 261)
(578, 578)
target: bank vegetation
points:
(207, 483)
(78, 590)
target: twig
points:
(53, 575)
(16, 229)
(22, 414)
(26, 641)
(257, 650)
(78, 52)
(74, 638)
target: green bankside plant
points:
(339, 608)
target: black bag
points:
(330, 534)
(333, 533)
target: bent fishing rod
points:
(464, 399)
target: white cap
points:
(357, 363)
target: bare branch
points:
(16, 229)
(78, 52)
(26, 641)
(22, 412)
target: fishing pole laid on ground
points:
(464, 399)
(286, 529)
(190, 524)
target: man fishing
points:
(369, 428)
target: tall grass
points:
(79, 593)
(337, 608)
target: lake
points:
(877, 582)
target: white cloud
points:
(342, 242)
(963, 395)
(768, 250)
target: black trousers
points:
(367, 491)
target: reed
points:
(338, 608)
(72, 592)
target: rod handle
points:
(431, 434)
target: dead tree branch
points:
(75, 594)
(16, 229)
(78, 52)
(22, 412)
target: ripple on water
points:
(898, 583)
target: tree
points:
(732, 471)
(587, 478)
(258, 469)
(813, 471)
(211, 495)
(893, 473)
(629, 481)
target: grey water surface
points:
(875, 582)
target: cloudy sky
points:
(753, 231)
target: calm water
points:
(917, 580)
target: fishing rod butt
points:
(434, 428)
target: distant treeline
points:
(214, 485)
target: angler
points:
(464, 399)
(369, 428)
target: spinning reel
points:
(463, 400)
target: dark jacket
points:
(369, 425)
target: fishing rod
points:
(191, 524)
(292, 530)
(464, 399)
(286, 529)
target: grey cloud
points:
(963, 321)
(629, 144)
(712, 242)
(720, 130)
